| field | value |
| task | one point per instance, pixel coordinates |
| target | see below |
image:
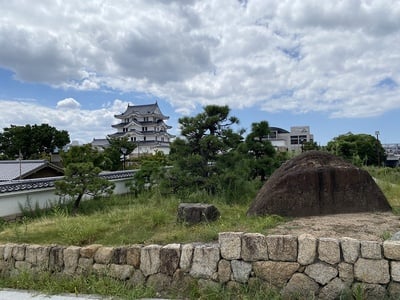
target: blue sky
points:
(331, 65)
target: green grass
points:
(149, 218)
(50, 284)
(121, 220)
(388, 180)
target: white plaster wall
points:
(10, 202)
(121, 186)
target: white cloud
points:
(280, 55)
(83, 125)
(68, 103)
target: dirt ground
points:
(363, 226)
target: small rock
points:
(193, 213)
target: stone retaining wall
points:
(304, 266)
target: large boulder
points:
(318, 183)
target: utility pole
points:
(20, 164)
(124, 151)
(377, 148)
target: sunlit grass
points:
(149, 218)
(48, 283)
(152, 218)
(121, 220)
(388, 179)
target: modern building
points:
(292, 140)
(145, 126)
(392, 152)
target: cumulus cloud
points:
(82, 124)
(68, 103)
(336, 57)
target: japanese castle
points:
(145, 126)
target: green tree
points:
(260, 149)
(310, 145)
(206, 139)
(232, 176)
(209, 133)
(83, 154)
(150, 173)
(117, 147)
(82, 175)
(31, 141)
(358, 148)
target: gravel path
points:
(363, 226)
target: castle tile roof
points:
(145, 109)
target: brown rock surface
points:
(318, 183)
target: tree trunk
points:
(76, 204)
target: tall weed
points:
(148, 218)
(388, 179)
(48, 283)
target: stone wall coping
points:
(324, 266)
(42, 183)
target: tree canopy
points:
(83, 154)
(150, 173)
(117, 147)
(261, 150)
(210, 133)
(212, 156)
(82, 168)
(31, 141)
(207, 137)
(360, 149)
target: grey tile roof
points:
(145, 109)
(12, 169)
(39, 183)
(100, 143)
(142, 109)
